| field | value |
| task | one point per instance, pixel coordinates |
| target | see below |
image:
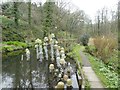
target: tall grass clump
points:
(102, 47)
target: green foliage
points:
(44, 19)
(108, 78)
(76, 52)
(48, 19)
(7, 9)
(9, 32)
(16, 43)
(13, 45)
(107, 70)
(10, 10)
(12, 53)
(90, 49)
(87, 84)
(7, 48)
(23, 33)
(7, 22)
(113, 63)
(105, 50)
(84, 39)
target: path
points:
(89, 73)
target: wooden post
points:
(79, 79)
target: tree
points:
(16, 13)
(7, 9)
(48, 19)
(98, 26)
(119, 25)
(29, 12)
(119, 15)
(106, 22)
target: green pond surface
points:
(25, 74)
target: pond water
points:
(25, 74)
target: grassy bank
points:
(108, 78)
(76, 54)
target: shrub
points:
(91, 49)
(105, 47)
(84, 39)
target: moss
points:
(13, 46)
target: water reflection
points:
(17, 73)
(22, 73)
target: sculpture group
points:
(49, 49)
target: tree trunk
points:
(29, 12)
(16, 13)
(98, 25)
(119, 25)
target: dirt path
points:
(89, 73)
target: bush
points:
(105, 47)
(91, 49)
(113, 63)
(84, 39)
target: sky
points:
(92, 6)
(89, 6)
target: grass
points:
(87, 84)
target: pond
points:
(17, 73)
